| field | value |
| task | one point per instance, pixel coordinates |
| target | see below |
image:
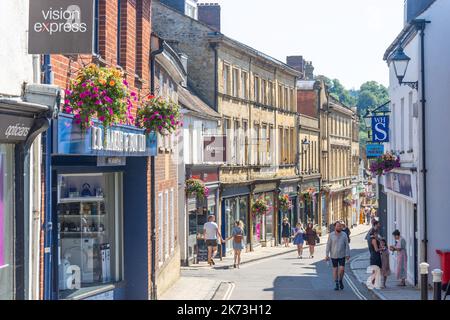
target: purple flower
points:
(77, 116)
(68, 110)
(160, 128)
(98, 102)
(68, 92)
(84, 85)
(79, 103)
(108, 99)
(95, 89)
(101, 118)
(111, 112)
(133, 94)
(67, 101)
(125, 82)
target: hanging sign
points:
(61, 27)
(374, 150)
(380, 129)
(214, 148)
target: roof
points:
(188, 99)
(216, 35)
(306, 84)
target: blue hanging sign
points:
(374, 150)
(380, 129)
(119, 141)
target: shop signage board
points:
(374, 150)
(61, 27)
(400, 183)
(380, 129)
(214, 148)
(116, 141)
(14, 129)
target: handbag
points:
(317, 239)
(237, 238)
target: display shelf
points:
(81, 215)
(81, 199)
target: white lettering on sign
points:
(57, 20)
(118, 141)
(18, 131)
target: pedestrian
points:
(368, 210)
(211, 234)
(311, 239)
(237, 234)
(286, 231)
(375, 228)
(339, 251)
(373, 215)
(385, 267)
(400, 249)
(299, 239)
(346, 230)
(374, 280)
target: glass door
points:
(6, 222)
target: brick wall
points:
(134, 60)
(307, 103)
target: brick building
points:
(110, 246)
(255, 95)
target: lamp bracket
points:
(413, 85)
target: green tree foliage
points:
(370, 95)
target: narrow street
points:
(286, 277)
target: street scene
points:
(185, 150)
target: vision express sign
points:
(61, 27)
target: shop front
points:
(401, 190)
(263, 226)
(309, 202)
(20, 124)
(235, 207)
(292, 213)
(198, 210)
(100, 211)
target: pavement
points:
(392, 292)
(270, 273)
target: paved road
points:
(286, 277)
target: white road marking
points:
(230, 290)
(354, 288)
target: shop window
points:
(160, 228)
(6, 222)
(89, 214)
(172, 221)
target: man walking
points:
(346, 230)
(339, 251)
(211, 233)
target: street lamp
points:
(401, 62)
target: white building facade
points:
(425, 228)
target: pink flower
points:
(108, 99)
(68, 110)
(125, 82)
(79, 103)
(95, 89)
(98, 102)
(67, 101)
(133, 94)
(101, 118)
(77, 116)
(111, 112)
(84, 85)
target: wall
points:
(437, 65)
(16, 64)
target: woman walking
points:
(237, 234)
(374, 281)
(400, 249)
(286, 231)
(311, 238)
(299, 234)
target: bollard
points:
(424, 280)
(437, 284)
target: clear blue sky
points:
(344, 39)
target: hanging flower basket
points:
(197, 188)
(387, 162)
(308, 195)
(102, 93)
(285, 203)
(159, 115)
(349, 201)
(260, 207)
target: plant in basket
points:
(102, 93)
(387, 162)
(197, 188)
(159, 115)
(285, 203)
(260, 207)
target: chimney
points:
(209, 13)
(296, 62)
(309, 71)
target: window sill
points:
(88, 292)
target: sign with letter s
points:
(380, 129)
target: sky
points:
(345, 39)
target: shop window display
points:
(6, 221)
(89, 219)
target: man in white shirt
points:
(210, 234)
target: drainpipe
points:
(154, 289)
(420, 25)
(319, 102)
(214, 46)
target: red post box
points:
(445, 266)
